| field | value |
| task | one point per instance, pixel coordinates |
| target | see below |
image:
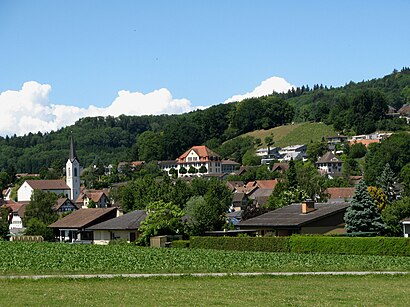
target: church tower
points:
(72, 170)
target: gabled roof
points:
(340, 193)
(62, 201)
(328, 157)
(17, 207)
(203, 152)
(283, 166)
(238, 197)
(129, 221)
(262, 184)
(84, 218)
(48, 184)
(291, 216)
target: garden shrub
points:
(180, 243)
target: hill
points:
(355, 107)
(300, 133)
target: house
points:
(340, 194)
(303, 218)
(294, 152)
(233, 185)
(17, 210)
(54, 186)
(239, 201)
(280, 167)
(229, 166)
(329, 165)
(73, 227)
(197, 161)
(337, 139)
(64, 205)
(121, 227)
(406, 227)
(98, 197)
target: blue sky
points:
(83, 53)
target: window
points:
(75, 171)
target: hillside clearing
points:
(300, 133)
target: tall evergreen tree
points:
(362, 214)
(291, 175)
(386, 182)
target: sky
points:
(63, 60)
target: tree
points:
(379, 198)
(386, 182)
(269, 141)
(291, 175)
(162, 219)
(192, 170)
(182, 170)
(173, 172)
(208, 211)
(4, 222)
(393, 214)
(250, 159)
(39, 214)
(203, 169)
(362, 214)
(357, 151)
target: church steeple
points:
(73, 171)
(72, 155)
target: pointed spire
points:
(72, 155)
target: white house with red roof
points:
(197, 161)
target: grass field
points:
(302, 133)
(22, 258)
(210, 291)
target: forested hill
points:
(358, 107)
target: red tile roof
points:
(48, 184)
(341, 193)
(365, 142)
(203, 152)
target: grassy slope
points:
(301, 133)
(210, 291)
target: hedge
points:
(180, 243)
(263, 244)
(309, 244)
(354, 246)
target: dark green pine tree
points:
(291, 175)
(362, 214)
(386, 182)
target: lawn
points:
(210, 291)
(22, 258)
(302, 133)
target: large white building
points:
(70, 188)
(197, 161)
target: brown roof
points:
(203, 152)
(85, 218)
(262, 184)
(405, 110)
(328, 157)
(95, 195)
(17, 207)
(48, 184)
(291, 216)
(280, 167)
(340, 193)
(230, 162)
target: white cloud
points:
(29, 109)
(267, 87)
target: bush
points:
(263, 244)
(350, 245)
(309, 244)
(180, 243)
(118, 242)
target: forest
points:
(353, 108)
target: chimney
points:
(307, 206)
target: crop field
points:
(210, 291)
(22, 258)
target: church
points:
(70, 188)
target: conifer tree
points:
(386, 182)
(362, 214)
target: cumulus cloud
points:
(30, 110)
(267, 87)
